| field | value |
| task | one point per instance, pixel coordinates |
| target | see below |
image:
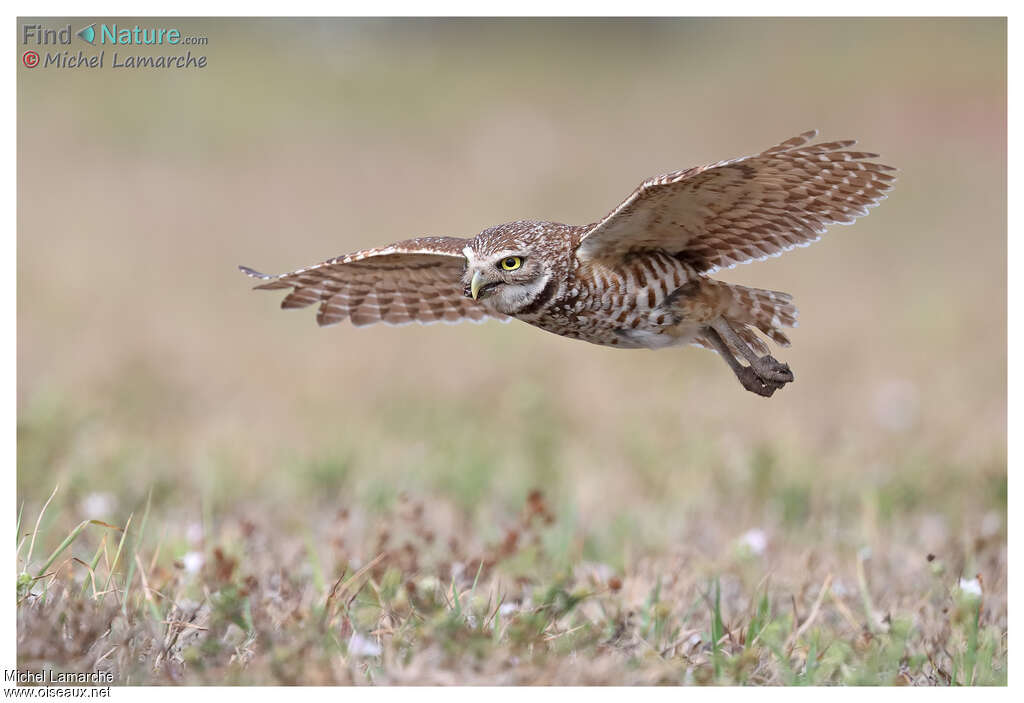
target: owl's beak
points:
(474, 285)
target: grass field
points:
(282, 504)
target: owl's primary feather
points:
(636, 279)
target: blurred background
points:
(145, 362)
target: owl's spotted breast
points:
(621, 305)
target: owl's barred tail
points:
(767, 310)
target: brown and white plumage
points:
(735, 211)
(409, 281)
(636, 279)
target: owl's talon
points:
(755, 384)
(770, 369)
(765, 376)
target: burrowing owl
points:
(636, 279)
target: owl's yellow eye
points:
(511, 263)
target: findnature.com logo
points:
(103, 34)
(109, 34)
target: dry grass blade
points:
(556, 635)
(825, 588)
(106, 654)
(844, 611)
(156, 552)
(136, 543)
(154, 611)
(39, 519)
(869, 606)
(67, 542)
(17, 532)
(182, 624)
(107, 525)
(117, 554)
(494, 612)
(340, 588)
(88, 568)
(92, 567)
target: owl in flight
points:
(638, 278)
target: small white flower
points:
(755, 540)
(971, 587)
(97, 505)
(508, 608)
(359, 646)
(427, 583)
(193, 562)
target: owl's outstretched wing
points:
(418, 280)
(736, 211)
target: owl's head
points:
(509, 266)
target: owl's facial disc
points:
(508, 281)
(504, 272)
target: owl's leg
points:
(764, 376)
(747, 378)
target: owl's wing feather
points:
(418, 280)
(745, 209)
